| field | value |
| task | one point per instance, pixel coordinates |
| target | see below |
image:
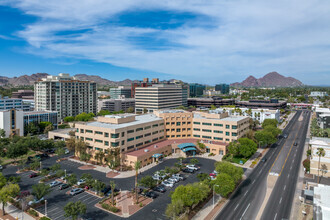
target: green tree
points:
(74, 209)
(60, 151)
(48, 128)
(3, 180)
(226, 184)
(40, 190)
(190, 194)
(68, 119)
(274, 130)
(307, 164)
(320, 153)
(174, 209)
(55, 167)
(247, 147)
(15, 150)
(89, 180)
(72, 179)
(233, 148)
(113, 187)
(202, 176)
(267, 122)
(194, 161)
(213, 107)
(2, 133)
(44, 172)
(147, 181)
(130, 110)
(98, 186)
(225, 167)
(31, 128)
(265, 137)
(137, 166)
(104, 112)
(42, 125)
(6, 194)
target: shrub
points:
(114, 209)
(307, 164)
(212, 154)
(106, 206)
(141, 204)
(109, 207)
(44, 218)
(33, 212)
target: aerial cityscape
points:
(184, 110)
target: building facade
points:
(145, 83)
(316, 143)
(11, 120)
(323, 117)
(40, 116)
(318, 94)
(223, 88)
(120, 93)
(23, 94)
(255, 114)
(115, 105)
(10, 103)
(207, 102)
(196, 90)
(67, 95)
(160, 96)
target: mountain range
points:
(272, 79)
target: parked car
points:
(193, 167)
(32, 175)
(66, 151)
(179, 176)
(106, 189)
(63, 186)
(172, 180)
(35, 201)
(54, 183)
(155, 177)
(76, 191)
(285, 135)
(1, 167)
(187, 170)
(166, 183)
(177, 179)
(160, 189)
(157, 173)
(295, 144)
(81, 181)
(264, 159)
(151, 194)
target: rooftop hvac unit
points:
(146, 150)
(155, 146)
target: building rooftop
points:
(172, 111)
(322, 201)
(38, 112)
(63, 131)
(229, 118)
(139, 119)
(319, 141)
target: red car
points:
(33, 175)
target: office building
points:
(23, 94)
(121, 92)
(255, 114)
(211, 93)
(145, 83)
(115, 105)
(207, 102)
(160, 96)
(269, 104)
(103, 94)
(316, 143)
(316, 94)
(10, 103)
(11, 120)
(67, 95)
(223, 88)
(323, 117)
(196, 90)
(40, 116)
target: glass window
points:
(98, 141)
(130, 139)
(195, 135)
(114, 144)
(138, 137)
(196, 123)
(220, 125)
(178, 130)
(234, 126)
(106, 134)
(207, 137)
(227, 133)
(234, 134)
(155, 125)
(178, 123)
(206, 130)
(227, 126)
(216, 131)
(139, 129)
(217, 138)
(115, 135)
(130, 131)
(98, 132)
(106, 143)
(148, 127)
(89, 131)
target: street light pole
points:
(45, 207)
(213, 194)
(40, 166)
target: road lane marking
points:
(253, 181)
(284, 187)
(288, 175)
(260, 171)
(281, 200)
(245, 211)
(275, 216)
(246, 193)
(236, 207)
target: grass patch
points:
(235, 159)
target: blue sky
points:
(197, 41)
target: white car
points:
(35, 201)
(81, 181)
(173, 179)
(179, 176)
(54, 183)
(66, 151)
(166, 183)
(156, 177)
(192, 167)
(158, 174)
(1, 167)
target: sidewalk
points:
(286, 122)
(16, 213)
(207, 208)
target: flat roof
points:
(322, 199)
(229, 118)
(139, 119)
(38, 112)
(63, 131)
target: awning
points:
(184, 145)
(207, 147)
(157, 155)
(188, 149)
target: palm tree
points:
(113, 186)
(320, 152)
(101, 157)
(137, 166)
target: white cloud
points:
(247, 37)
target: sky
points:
(214, 41)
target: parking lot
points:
(57, 199)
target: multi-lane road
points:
(283, 160)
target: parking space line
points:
(94, 200)
(83, 196)
(58, 217)
(52, 209)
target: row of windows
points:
(208, 137)
(219, 125)
(178, 129)
(178, 135)
(178, 123)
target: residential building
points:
(11, 120)
(323, 117)
(178, 123)
(40, 116)
(160, 96)
(126, 132)
(67, 95)
(115, 105)
(318, 94)
(316, 143)
(23, 94)
(10, 103)
(145, 83)
(255, 114)
(121, 92)
(223, 88)
(219, 127)
(207, 102)
(196, 90)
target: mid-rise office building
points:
(207, 102)
(255, 114)
(160, 96)
(115, 105)
(196, 90)
(40, 116)
(143, 84)
(23, 94)
(223, 88)
(11, 121)
(10, 103)
(67, 95)
(121, 92)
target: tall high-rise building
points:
(120, 92)
(67, 95)
(223, 88)
(160, 96)
(196, 90)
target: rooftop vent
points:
(155, 146)
(146, 150)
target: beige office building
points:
(219, 127)
(126, 131)
(315, 143)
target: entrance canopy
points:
(185, 145)
(157, 155)
(189, 149)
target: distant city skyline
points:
(194, 41)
